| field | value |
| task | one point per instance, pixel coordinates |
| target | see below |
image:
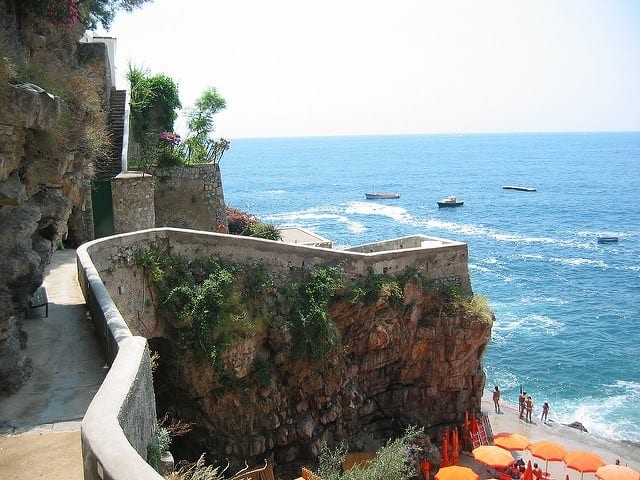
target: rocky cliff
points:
(413, 363)
(50, 127)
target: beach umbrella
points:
(445, 448)
(511, 441)
(456, 472)
(493, 456)
(583, 461)
(455, 446)
(547, 451)
(617, 472)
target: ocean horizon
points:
(566, 306)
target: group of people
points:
(525, 406)
(516, 471)
(525, 403)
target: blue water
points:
(567, 308)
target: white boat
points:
(450, 201)
(374, 196)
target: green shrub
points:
(390, 461)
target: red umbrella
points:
(547, 451)
(455, 446)
(528, 473)
(583, 461)
(617, 472)
(511, 441)
(445, 448)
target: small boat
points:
(450, 201)
(375, 196)
(522, 189)
(607, 239)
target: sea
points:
(567, 308)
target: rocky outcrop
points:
(401, 365)
(44, 174)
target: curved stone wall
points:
(121, 420)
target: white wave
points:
(478, 268)
(276, 192)
(612, 416)
(579, 261)
(527, 324)
(309, 218)
(398, 214)
(527, 256)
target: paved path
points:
(40, 424)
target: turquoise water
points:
(567, 308)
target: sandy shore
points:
(572, 439)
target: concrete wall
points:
(121, 419)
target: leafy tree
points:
(90, 13)
(201, 116)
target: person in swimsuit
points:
(496, 399)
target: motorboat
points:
(607, 239)
(377, 196)
(450, 201)
(522, 189)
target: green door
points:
(102, 208)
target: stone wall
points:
(190, 197)
(402, 364)
(133, 202)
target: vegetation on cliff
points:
(213, 303)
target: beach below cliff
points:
(571, 438)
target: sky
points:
(371, 67)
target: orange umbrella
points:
(493, 456)
(583, 461)
(445, 448)
(511, 441)
(456, 472)
(547, 451)
(617, 472)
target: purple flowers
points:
(169, 138)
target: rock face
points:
(41, 182)
(401, 365)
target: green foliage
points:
(154, 100)
(374, 286)
(90, 12)
(160, 444)
(390, 461)
(315, 335)
(200, 117)
(247, 224)
(262, 370)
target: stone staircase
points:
(111, 166)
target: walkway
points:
(40, 424)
